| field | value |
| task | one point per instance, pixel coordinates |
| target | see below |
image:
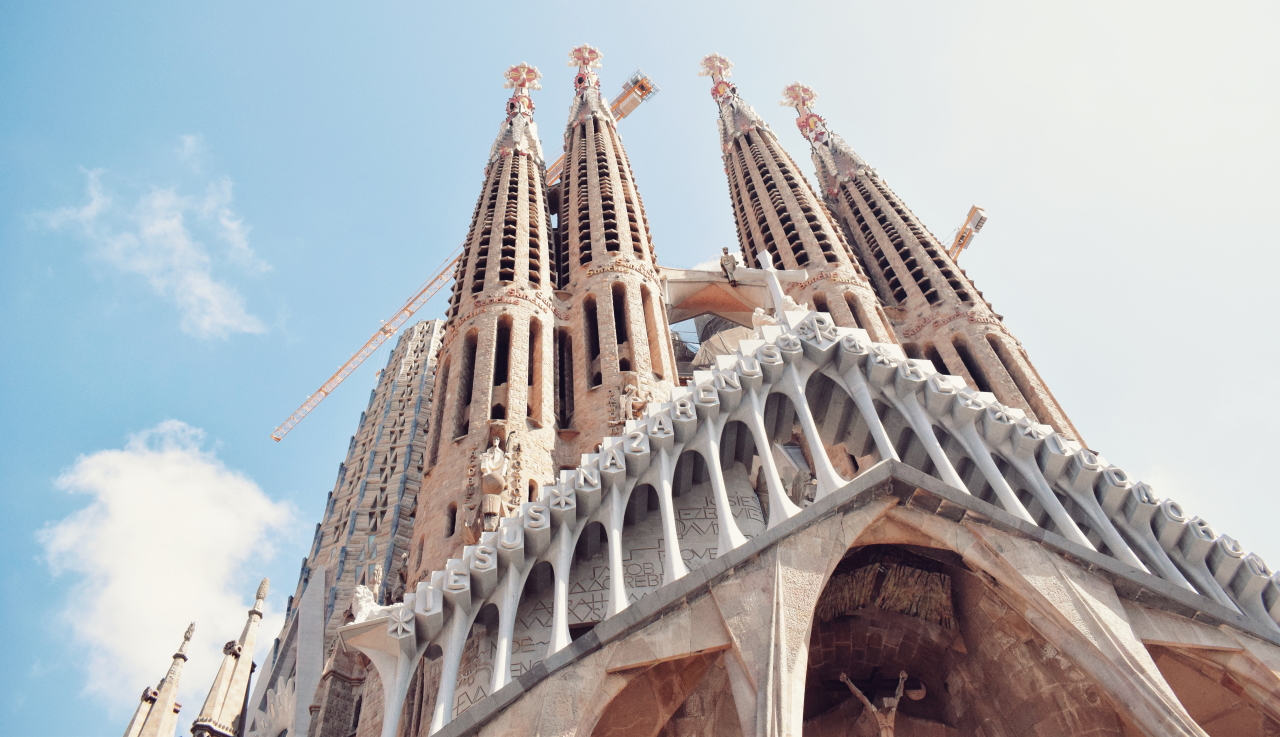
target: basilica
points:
(855, 509)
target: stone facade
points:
(831, 529)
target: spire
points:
(914, 276)
(517, 142)
(776, 210)
(220, 716)
(157, 713)
(586, 86)
(518, 133)
(493, 359)
(833, 158)
(736, 116)
(617, 334)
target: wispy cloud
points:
(191, 151)
(231, 229)
(156, 238)
(167, 537)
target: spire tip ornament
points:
(522, 76)
(798, 96)
(801, 97)
(716, 66)
(585, 57)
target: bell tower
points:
(491, 431)
(613, 347)
(936, 311)
(776, 210)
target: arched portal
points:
(973, 663)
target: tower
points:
(936, 311)
(157, 713)
(492, 433)
(613, 342)
(366, 525)
(223, 709)
(776, 210)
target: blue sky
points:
(206, 208)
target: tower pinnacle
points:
(801, 97)
(157, 713)
(220, 716)
(521, 77)
(585, 58)
(717, 67)
(586, 85)
(518, 132)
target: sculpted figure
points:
(493, 469)
(728, 265)
(760, 317)
(493, 460)
(364, 605)
(885, 716)
(632, 403)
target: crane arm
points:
(973, 222)
(425, 293)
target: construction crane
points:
(635, 90)
(964, 236)
(425, 293)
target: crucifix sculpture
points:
(884, 716)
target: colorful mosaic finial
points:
(798, 96)
(585, 57)
(522, 77)
(716, 66)
(801, 97)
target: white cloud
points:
(156, 239)
(170, 535)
